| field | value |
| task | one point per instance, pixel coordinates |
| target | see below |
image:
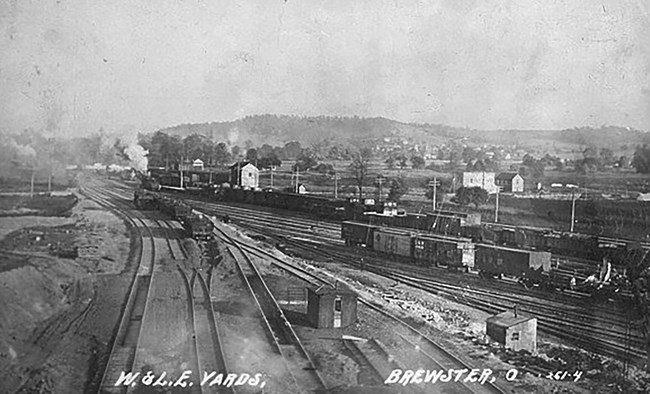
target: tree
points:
(641, 159)
(251, 155)
(471, 195)
(359, 168)
(305, 161)
(193, 146)
(417, 162)
(292, 149)
(390, 162)
(268, 162)
(235, 150)
(220, 153)
(397, 187)
(324, 168)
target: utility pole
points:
(336, 186)
(496, 209)
(297, 177)
(31, 189)
(434, 184)
(272, 168)
(380, 182)
(573, 210)
(181, 169)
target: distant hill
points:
(279, 129)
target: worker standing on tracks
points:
(572, 284)
(362, 264)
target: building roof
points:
(506, 176)
(197, 161)
(508, 319)
(241, 164)
(340, 288)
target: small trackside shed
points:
(513, 330)
(331, 307)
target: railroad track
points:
(593, 338)
(491, 306)
(299, 365)
(126, 353)
(436, 354)
(123, 350)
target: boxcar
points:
(498, 260)
(393, 242)
(444, 251)
(357, 233)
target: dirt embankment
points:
(58, 314)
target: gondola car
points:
(174, 208)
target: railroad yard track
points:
(606, 331)
(299, 365)
(127, 353)
(429, 352)
(609, 333)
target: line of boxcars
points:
(197, 226)
(456, 253)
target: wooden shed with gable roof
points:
(513, 330)
(331, 307)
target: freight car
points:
(322, 207)
(144, 200)
(453, 253)
(498, 261)
(437, 222)
(357, 234)
(421, 249)
(174, 208)
(198, 227)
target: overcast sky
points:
(75, 66)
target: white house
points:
(245, 175)
(482, 179)
(510, 182)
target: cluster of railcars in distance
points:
(197, 226)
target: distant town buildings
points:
(482, 179)
(510, 182)
(197, 165)
(245, 175)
